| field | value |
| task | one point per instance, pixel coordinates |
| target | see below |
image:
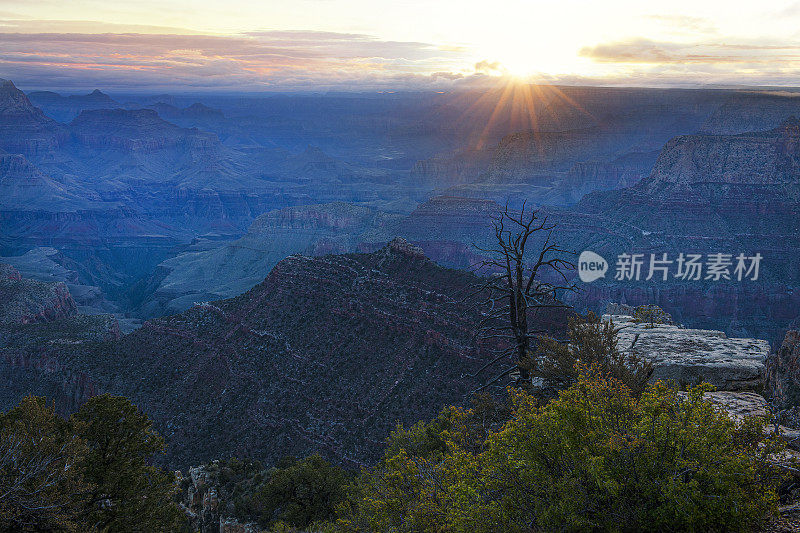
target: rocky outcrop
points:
(24, 301)
(66, 108)
(690, 356)
(585, 177)
(751, 160)
(783, 372)
(38, 319)
(23, 187)
(138, 130)
(49, 265)
(209, 271)
(201, 503)
(707, 194)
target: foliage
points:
(591, 342)
(302, 492)
(468, 427)
(128, 494)
(235, 481)
(291, 496)
(90, 473)
(41, 481)
(651, 315)
(595, 458)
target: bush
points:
(299, 493)
(591, 342)
(596, 458)
(651, 315)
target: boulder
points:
(691, 356)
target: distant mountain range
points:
(161, 201)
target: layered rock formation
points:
(128, 130)
(24, 301)
(201, 502)
(209, 271)
(707, 194)
(24, 187)
(530, 156)
(66, 108)
(36, 319)
(754, 160)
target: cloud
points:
(155, 59)
(257, 60)
(489, 67)
(655, 52)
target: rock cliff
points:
(66, 108)
(783, 372)
(24, 301)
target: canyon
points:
(223, 261)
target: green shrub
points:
(299, 493)
(595, 458)
(651, 315)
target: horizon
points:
(357, 46)
(497, 86)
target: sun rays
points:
(515, 106)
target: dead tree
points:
(516, 289)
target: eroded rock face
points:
(201, 503)
(783, 372)
(739, 405)
(43, 317)
(693, 355)
(23, 301)
(223, 271)
(23, 127)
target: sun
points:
(520, 68)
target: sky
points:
(321, 45)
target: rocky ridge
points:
(783, 371)
(325, 355)
(23, 127)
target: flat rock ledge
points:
(691, 356)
